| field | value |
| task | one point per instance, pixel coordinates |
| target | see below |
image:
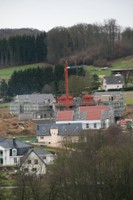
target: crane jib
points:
(73, 67)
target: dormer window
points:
(14, 152)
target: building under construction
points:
(33, 106)
(115, 99)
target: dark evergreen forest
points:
(21, 50)
(42, 80)
(95, 44)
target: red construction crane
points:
(66, 67)
(66, 85)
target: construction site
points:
(11, 126)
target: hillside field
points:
(126, 62)
(128, 95)
(5, 73)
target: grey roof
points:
(41, 152)
(114, 79)
(21, 147)
(8, 143)
(34, 98)
(63, 129)
(1, 139)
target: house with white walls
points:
(113, 82)
(32, 164)
(11, 150)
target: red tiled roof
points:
(66, 115)
(90, 108)
(93, 112)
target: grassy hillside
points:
(123, 63)
(128, 95)
(120, 63)
(126, 62)
(7, 72)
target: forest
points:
(89, 44)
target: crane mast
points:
(66, 85)
(66, 68)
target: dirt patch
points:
(128, 114)
(128, 95)
(11, 126)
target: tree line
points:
(95, 44)
(48, 79)
(40, 80)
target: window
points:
(15, 160)
(1, 161)
(38, 127)
(36, 161)
(112, 98)
(1, 153)
(95, 125)
(34, 169)
(29, 161)
(87, 125)
(25, 169)
(14, 152)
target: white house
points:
(32, 164)
(113, 82)
(11, 150)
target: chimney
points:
(14, 143)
